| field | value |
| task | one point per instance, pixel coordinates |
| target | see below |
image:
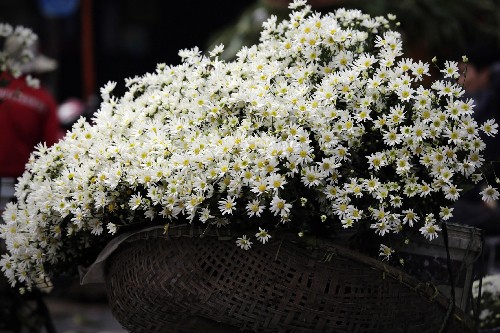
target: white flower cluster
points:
(489, 317)
(322, 119)
(17, 50)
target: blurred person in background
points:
(28, 116)
(480, 76)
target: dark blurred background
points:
(96, 41)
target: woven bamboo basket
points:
(182, 282)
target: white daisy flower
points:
(381, 228)
(490, 127)
(489, 194)
(430, 231)
(446, 212)
(227, 206)
(254, 208)
(451, 70)
(410, 217)
(385, 252)
(263, 236)
(279, 206)
(244, 242)
(111, 228)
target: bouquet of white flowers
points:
(489, 317)
(322, 124)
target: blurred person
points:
(480, 76)
(481, 79)
(27, 115)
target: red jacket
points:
(28, 116)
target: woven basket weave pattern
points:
(164, 285)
